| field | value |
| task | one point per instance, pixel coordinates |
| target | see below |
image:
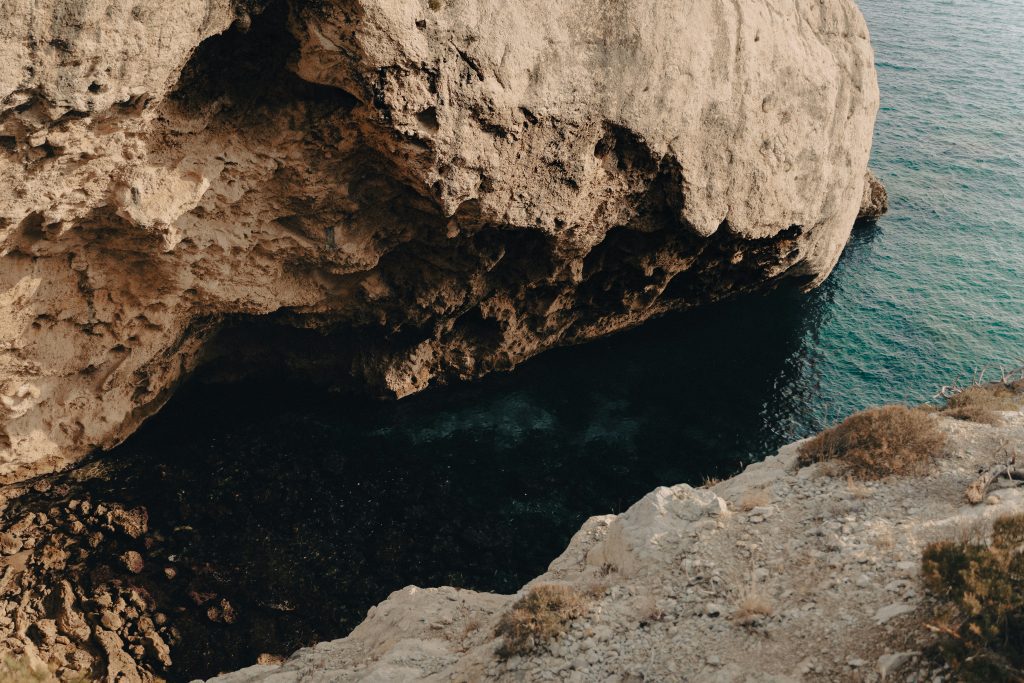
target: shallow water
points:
(329, 504)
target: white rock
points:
(884, 614)
(888, 663)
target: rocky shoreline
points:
(781, 573)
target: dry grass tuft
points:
(648, 611)
(856, 488)
(539, 616)
(752, 607)
(983, 638)
(878, 442)
(754, 498)
(20, 671)
(983, 402)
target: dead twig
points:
(1007, 376)
(979, 488)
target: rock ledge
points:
(778, 574)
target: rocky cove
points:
(139, 567)
(228, 229)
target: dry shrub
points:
(877, 442)
(539, 616)
(472, 625)
(21, 671)
(753, 605)
(754, 498)
(983, 402)
(984, 639)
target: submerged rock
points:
(451, 186)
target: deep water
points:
(309, 499)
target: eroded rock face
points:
(450, 186)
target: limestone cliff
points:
(450, 186)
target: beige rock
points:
(133, 522)
(45, 630)
(110, 620)
(9, 543)
(453, 186)
(156, 645)
(664, 518)
(69, 620)
(121, 667)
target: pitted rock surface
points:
(448, 186)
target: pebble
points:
(132, 561)
(888, 663)
(712, 609)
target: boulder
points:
(450, 187)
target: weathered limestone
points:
(450, 186)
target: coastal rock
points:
(875, 201)
(683, 580)
(450, 187)
(637, 539)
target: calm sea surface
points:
(336, 503)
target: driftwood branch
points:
(1007, 376)
(979, 488)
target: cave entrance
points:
(277, 512)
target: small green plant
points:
(538, 617)
(984, 587)
(878, 442)
(983, 402)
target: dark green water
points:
(328, 504)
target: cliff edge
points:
(786, 572)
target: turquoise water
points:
(304, 497)
(939, 290)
